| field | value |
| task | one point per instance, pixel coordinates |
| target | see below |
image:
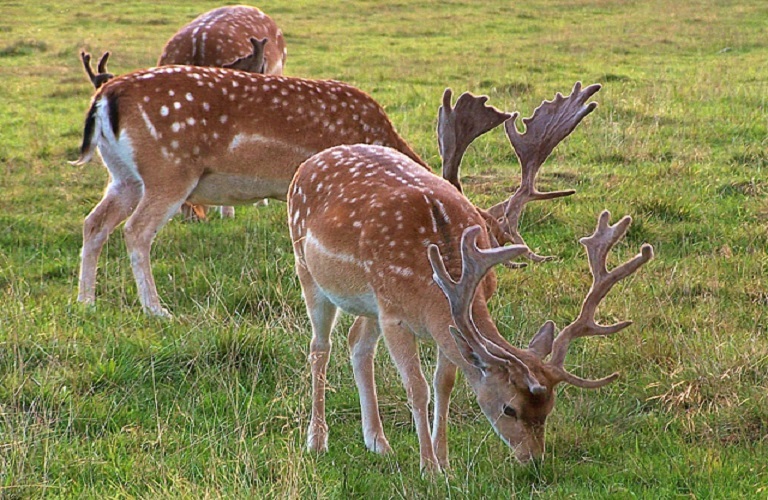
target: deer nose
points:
(526, 455)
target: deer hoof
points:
(158, 312)
(378, 444)
(318, 438)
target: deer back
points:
(363, 217)
(222, 35)
(186, 121)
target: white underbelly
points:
(357, 305)
(231, 189)
(340, 277)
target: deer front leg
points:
(118, 203)
(153, 212)
(363, 338)
(444, 380)
(322, 314)
(405, 353)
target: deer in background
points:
(227, 37)
(238, 34)
(378, 236)
(209, 136)
(235, 37)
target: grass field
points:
(105, 402)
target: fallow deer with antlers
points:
(235, 37)
(209, 136)
(380, 237)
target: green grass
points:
(105, 402)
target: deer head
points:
(518, 410)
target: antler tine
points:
(458, 126)
(97, 79)
(103, 62)
(550, 123)
(475, 263)
(86, 58)
(598, 245)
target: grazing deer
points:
(229, 37)
(235, 37)
(380, 237)
(209, 136)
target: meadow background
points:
(105, 402)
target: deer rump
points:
(234, 137)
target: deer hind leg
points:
(154, 210)
(322, 315)
(363, 338)
(404, 351)
(445, 377)
(118, 203)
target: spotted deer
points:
(235, 37)
(208, 136)
(226, 37)
(379, 237)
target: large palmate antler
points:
(458, 126)
(550, 123)
(100, 78)
(598, 245)
(475, 264)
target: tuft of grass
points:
(23, 48)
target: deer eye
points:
(509, 411)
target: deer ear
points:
(260, 59)
(467, 352)
(541, 344)
(253, 62)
